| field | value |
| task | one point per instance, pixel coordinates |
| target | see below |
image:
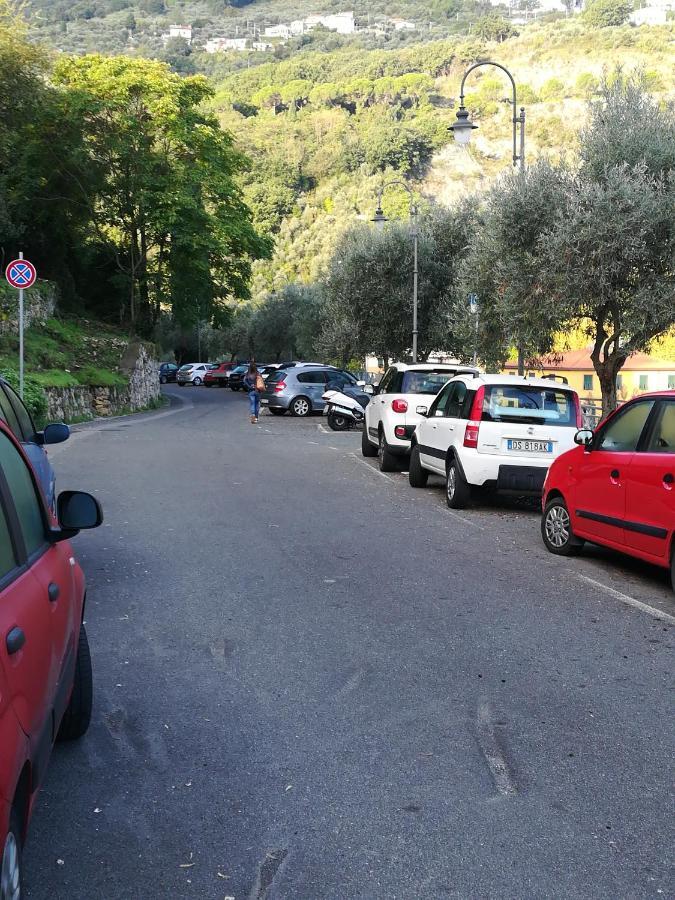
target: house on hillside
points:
(180, 31)
(220, 45)
(639, 373)
(278, 31)
(342, 22)
(649, 15)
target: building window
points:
(671, 382)
(588, 382)
(619, 382)
(644, 382)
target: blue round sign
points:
(21, 274)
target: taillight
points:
(399, 406)
(473, 425)
(399, 431)
(278, 387)
(577, 406)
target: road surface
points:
(313, 682)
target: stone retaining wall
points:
(84, 402)
(39, 305)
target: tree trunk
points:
(607, 369)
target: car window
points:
(439, 405)
(8, 415)
(622, 433)
(386, 381)
(662, 439)
(456, 400)
(7, 557)
(423, 382)
(316, 377)
(24, 494)
(22, 414)
(529, 404)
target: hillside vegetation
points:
(324, 130)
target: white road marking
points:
(629, 601)
(369, 467)
(323, 429)
(493, 755)
(455, 515)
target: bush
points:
(33, 395)
(607, 13)
(553, 89)
(587, 85)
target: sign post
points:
(473, 308)
(21, 274)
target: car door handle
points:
(54, 592)
(668, 479)
(615, 474)
(15, 640)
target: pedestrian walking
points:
(255, 385)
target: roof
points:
(580, 361)
(434, 367)
(518, 380)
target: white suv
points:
(193, 373)
(497, 431)
(391, 416)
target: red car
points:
(618, 487)
(218, 375)
(45, 667)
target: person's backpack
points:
(259, 383)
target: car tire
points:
(277, 412)
(457, 489)
(197, 381)
(77, 716)
(162, 379)
(417, 476)
(367, 448)
(11, 861)
(386, 459)
(300, 407)
(208, 384)
(181, 384)
(556, 530)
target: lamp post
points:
(463, 127)
(380, 220)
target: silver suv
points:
(299, 389)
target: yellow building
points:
(639, 373)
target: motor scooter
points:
(345, 408)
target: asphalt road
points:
(314, 682)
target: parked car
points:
(167, 372)
(192, 373)
(15, 415)
(235, 379)
(218, 374)
(496, 431)
(617, 488)
(299, 390)
(45, 666)
(391, 417)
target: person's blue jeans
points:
(254, 402)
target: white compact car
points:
(193, 373)
(497, 431)
(391, 416)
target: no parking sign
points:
(21, 274)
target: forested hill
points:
(324, 130)
(130, 26)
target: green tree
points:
(607, 13)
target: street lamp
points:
(463, 127)
(380, 220)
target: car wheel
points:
(301, 407)
(417, 476)
(457, 490)
(162, 379)
(367, 448)
(385, 457)
(197, 381)
(277, 412)
(78, 714)
(556, 529)
(11, 869)
(181, 384)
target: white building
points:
(649, 15)
(181, 31)
(278, 31)
(219, 45)
(262, 46)
(297, 26)
(343, 22)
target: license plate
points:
(264, 402)
(523, 446)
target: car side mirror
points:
(584, 438)
(75, 512)
(56, 433)
(369, 389)
(422, 411)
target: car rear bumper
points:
(274, 401)
(521, 479)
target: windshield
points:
(239, 370)
(186, 367)
(424, 382)
(529, 404)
